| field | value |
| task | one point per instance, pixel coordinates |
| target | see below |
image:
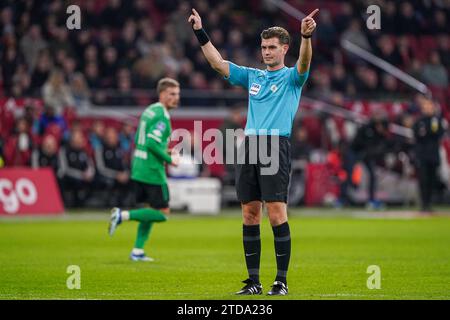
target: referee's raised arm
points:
(305, 55)
(211, 53)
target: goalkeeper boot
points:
(140, 257)
(278, 289)
(116, 219)
(250, 288)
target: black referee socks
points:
(282, 239)
(252, 250)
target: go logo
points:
(11, 196)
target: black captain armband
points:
(202, 36)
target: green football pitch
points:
(201, 257)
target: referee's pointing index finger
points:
(195, 12)
(312, 13)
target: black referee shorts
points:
(259, 180)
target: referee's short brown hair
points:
(165, 83)
(277, 32)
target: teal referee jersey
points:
(274, 98)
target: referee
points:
(274, 96)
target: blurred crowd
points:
(126, 45)
(84, 156)
(90, 157)
(416, 151)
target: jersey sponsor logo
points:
(274, 88)
(161, 126)
(157, 133)
(254, 89)
(140, 154)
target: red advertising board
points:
(25, 191)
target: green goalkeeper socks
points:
(147, 215)
(143, 233)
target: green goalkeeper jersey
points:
(151, 141)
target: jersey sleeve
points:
(153, 134)
(157, 128)
(158, 150)
(238, 75)
(296, 78)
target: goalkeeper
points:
(148, 168)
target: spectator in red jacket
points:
(18, 148)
